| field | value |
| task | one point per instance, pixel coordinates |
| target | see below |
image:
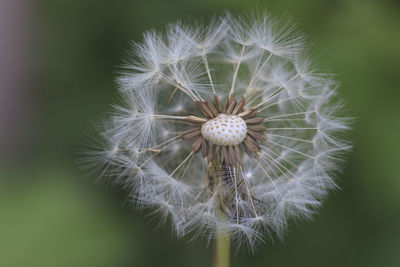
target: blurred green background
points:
(53, 215)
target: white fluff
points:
(252, 56)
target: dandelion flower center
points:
(225, 130)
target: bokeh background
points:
(58, 60)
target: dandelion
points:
(224, 129)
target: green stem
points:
(221, 250)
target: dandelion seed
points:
(225, 127)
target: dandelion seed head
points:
(225, 126)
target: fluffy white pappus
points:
(145, 59)
(99, 157)
(133, 121)
(268, 34)
(146, 144)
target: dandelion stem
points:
(221, 249)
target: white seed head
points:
(225, 130)
(296, 131)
